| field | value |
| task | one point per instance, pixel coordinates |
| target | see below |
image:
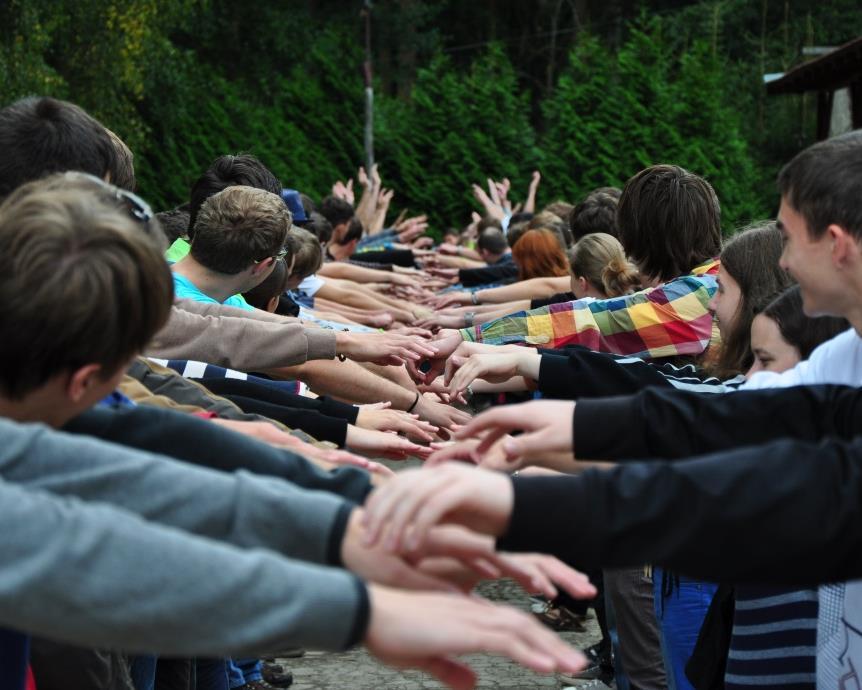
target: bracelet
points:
(474, 296)
(469, 317)
(415, 402)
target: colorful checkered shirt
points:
(670, 320)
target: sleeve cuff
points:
(336, 535)
(540, 503)
(363, 615)
(553, 376)
(321, 343)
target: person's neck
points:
(219, 286)
(43, 406)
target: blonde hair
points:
(599, 257)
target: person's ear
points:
(81, 380)
(352, 244)
(272, 305)
(263, 266)
(845, 247)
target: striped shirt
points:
(667, 321)
(774, 639)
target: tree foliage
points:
(464, 90)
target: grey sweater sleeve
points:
(234, 339)
(94, 575)
(241, 508)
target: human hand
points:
(445, 417)
(530, 205)
(436, 322)
(547, 427)
(380, 418)
(494, 368)
(438, 388)
(400, 513)
(383, 444)
(494, 458)
(385, 198)
(362, 176)
(453, 298)
(423, 243)
(383, 348)
(344, 191)
(445, 344)
(448, 274)
(492, 208)
(426, 630)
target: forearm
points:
(94, 575)
(524, 290)
(674, 424)
(350, 382)
(744, 515)
(240, 508)
(203, 443)
(359, 274)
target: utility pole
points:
(369, 90)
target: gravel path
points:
(358, 671)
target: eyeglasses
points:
(137, 208)
(278, 256)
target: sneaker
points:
(277, 675)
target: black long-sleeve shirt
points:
(662, 423)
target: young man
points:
(240, 233)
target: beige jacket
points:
(238, 339)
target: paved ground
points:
(358, 671)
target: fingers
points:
(463, 452)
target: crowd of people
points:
(614, 406)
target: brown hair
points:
(80, 282)
(824, 184)
(306, 249)
(600, 259)
(554, 223)
(669, 221)
(751, 258)
(272, 286)
(238, 226)
(596, 213)
(538, 254)
(123, 175)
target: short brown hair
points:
(79, 280)
(123, 175)
(597, 213)
(824, 184)
(669, 221)
(306, 249)
(238, 226)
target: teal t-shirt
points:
(185, 289)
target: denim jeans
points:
(242, 671)
(680, 616)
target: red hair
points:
(539, 254)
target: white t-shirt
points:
(310, 285)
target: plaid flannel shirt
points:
(669, 320)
